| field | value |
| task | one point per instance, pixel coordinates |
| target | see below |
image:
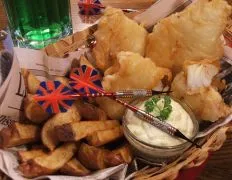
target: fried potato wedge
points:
(96, 158)
(92, 157)
(100, 138)
(118, 156)
(74, 168)
(33, 111)
(19, 134)
(48, 135)
(50, 163)
(125, 152)
(90, 112)
(31, 81)
(25, 156)
(113, 109)
(79, 130)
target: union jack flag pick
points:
(54, 97)
(90, 7)
(86, 80)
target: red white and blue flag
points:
(54, 97)
(86, 80)
(90, 7)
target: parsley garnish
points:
(163, 112)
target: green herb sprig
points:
(163, 113)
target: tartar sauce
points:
(178, 118)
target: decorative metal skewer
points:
(123, 93)
(54, 97)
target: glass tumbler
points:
(37, 23)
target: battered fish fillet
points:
(116, 33)
(132, 71)
(205, 101)
(200, 73)
(192, 34)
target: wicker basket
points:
(191, 158)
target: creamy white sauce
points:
(178, 118)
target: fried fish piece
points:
(78, 130)
(100, 138)
(31, 82)
(205, 101)
(132, 71)
(192, 34)
(50, 163)
(74, 168)
(200, 73)
(19, 134)
(48, 134)
(33, 111)
(116, 33)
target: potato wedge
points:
(48, 135)
(90, 112)
(118, 156)
(100, 138)
(79, 130)
(50, 163)
(28, 155)
(74, 168)
(125, 153)
(96, 158)
(33, 111)
(19, 134)
(92, 157)
(31, 81)
(111, 159)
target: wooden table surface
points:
(219, 166)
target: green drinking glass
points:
(37, 23)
